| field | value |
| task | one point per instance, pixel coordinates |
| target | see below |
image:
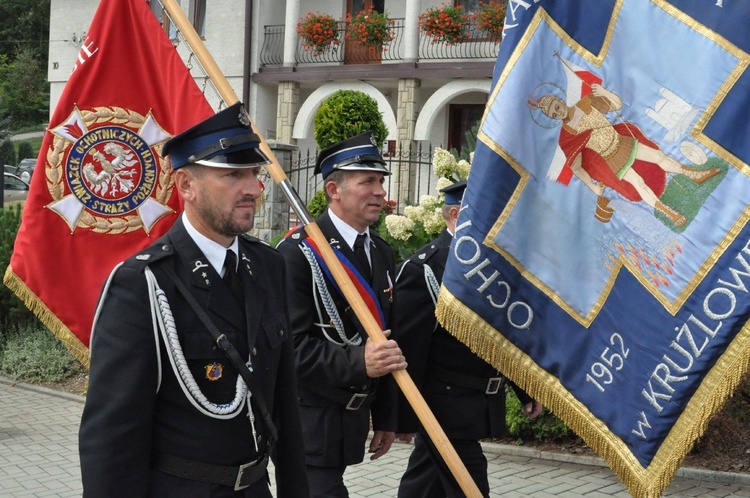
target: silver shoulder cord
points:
(161, 309)
(319, 286)
(433, 286)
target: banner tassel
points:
(48, 319)
(648, 482)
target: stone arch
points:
(440, 98)
(303, 125)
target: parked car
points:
(26, 168)
(16, 190)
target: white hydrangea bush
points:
(424, 221)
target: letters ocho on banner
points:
(101, 191)
(602, 254)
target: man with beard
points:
(192, 383)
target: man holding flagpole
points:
(343, 375)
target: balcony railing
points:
(479, 45)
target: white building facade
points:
(429, 93)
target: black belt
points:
(238, 476)
(350, 400)
(490, 385)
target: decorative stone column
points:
(291, 17)
(411, 31)
(287, 107)
(406, 119)
(272, 218)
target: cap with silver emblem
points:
(358, 153)
(225, 140)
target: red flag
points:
(100, 190)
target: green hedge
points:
(546, 427)
(12, 310)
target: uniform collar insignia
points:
(198, 264)
(422, 256)
(247, 264)
(143, 257)
(199, 269)
(295, 236)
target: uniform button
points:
(254, 352)
(281, 333)
(165, 248)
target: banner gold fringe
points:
(649, 482)
(61, 332)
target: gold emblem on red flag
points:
(104, 171)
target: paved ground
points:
(39, 458)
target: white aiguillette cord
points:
(229, 350)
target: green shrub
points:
(25, 150)
(7, 152)
(12, 310)
(33, 354)
(546, 427)
(317, 204)
(345, 114)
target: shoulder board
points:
(256, 240)
(155, 252)
(294, 236)
(424, 254)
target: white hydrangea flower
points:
(429, 202)
(441, 184)
(399, 227)
(443, 162)
(414, 213)
(433, 222)
(463, 168)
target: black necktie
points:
(359, 251)
(231, 278)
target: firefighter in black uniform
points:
(466, 394)
(180, 327)
(342, 374)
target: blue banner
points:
(602, 254)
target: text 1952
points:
(601, 372)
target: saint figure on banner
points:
(619, 156)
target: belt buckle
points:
(493, 385)
(238, 486)
(356, 401)
(224, 143)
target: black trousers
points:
(327, 482)
(427, 475)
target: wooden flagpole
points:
(412, 394)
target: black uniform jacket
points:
(335, 436)
(462, 412)
(135, 405)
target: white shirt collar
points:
(215, 253)
(348, 233)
